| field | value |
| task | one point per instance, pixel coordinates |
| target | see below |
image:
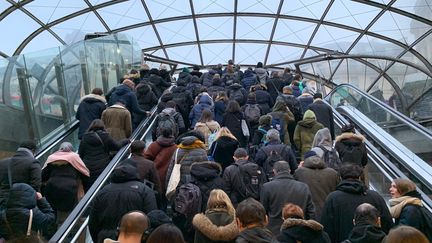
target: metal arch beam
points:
(61, 20)
(196, 31)
(3, 54)
(98, 16)
(13, 7)
(273, 31)
(152, 23)
(234, 30)
(317, 27)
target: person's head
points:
(145, 66)
(196, 68)
(222, 95)
(405, 234)
(185, 70)
(400, 187)
(137, 147)
(97, 91)
(259, 65)
(251, 97)
(166, 233)
(348, 128)
(240, 154)
(281, 167)
(309, 115)
(171, 104)
(275, 74)
(206, 115)
(233, 107)
(225, 132)
(66, 147)
(288, 90)
(96, 124)
(129, 83)
(297, 77)
(167, 132)
(28, 144)
(219, 199)
(367, 214)
(230, 62)
(287, 70)
(280, 106)
(265, 120)
(350, 171)
(249, 213)
(322, 137)
(291, 210)
(317, 96)
(163, 67)
(132, 226)
(273, 135)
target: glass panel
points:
(424, 47)
(258, 6)
(213, 6)
(49, 10)
(214, 28)
(279, 53)
(16, 21)
(374, 46)
(188, 54)
(3, 65)
(44, 40)
(334, 38)
(351, 13)
(293, 31)
(217, 53)
(341, 74)
(254, 28)
(176, 31)
(419, 7)
(250, 53)
(4, 5)
(422, 109)
(144, 36)
(310, 8)
(160, 9)
(96, 2)
(123, 14)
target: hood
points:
(352, 187)
(21, 195)
(183, 75)
(92, 98)
(215, 233)
(167, 97)
(315, 161)
(302, 230)
(309, 115)
(279, 106)
(235, 86)
(356, 138)
(260, 71)
(366, 233)
(143, 88)
(188, 140)
(205, 171)
(122, 90)
(125, 171)
(165, 142)
(117, 107)
(323, 138)
(248, 73)
(168, 111)
(308, 122)
(205, 99)
(257, 234)
(312, 224)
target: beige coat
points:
(117, 121)
(207, 128)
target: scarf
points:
(397, 204)
(197, 144)
(70, 157)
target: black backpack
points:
(295, 107)
(273, 156)
(252, 113)
(252, 177)
(278, 123)
(331, 158)
(188, 200)
(166, 120)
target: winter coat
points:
(260, 134)
(163, 100)
(207, 176)
(256, 234)
(293, 105)
(320, 179)
(305, 100)
(123, 92)
(222, 150)
(24, 169)
(304, 134)
(324, 115)
(264, 100)
(283, 150)
(219, 110)
(178, 119)
(347, 140)
(215, 226)
(91, 107)
(234, 88)
(300, 230)
(184, 78)
(207, 128)
(190, 150)
(160, 152)
(146, 170)
(204, 103)
(118, 123)
(287, 118)
(207, 78)
(274, 87)
(233, 122)
(125, 193)
(22, 198)
(341, 204)
(94, 150)
(365, 233)
(146, 97)
(249, 79)
(159, 84)
(196, 73)
(233, 184)
(281, 190)
(165, 75)
(183, 98)
(194, 86)
(216, 87)
(262, 75)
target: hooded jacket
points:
(324, 114)
(341, 204)
(118, 122)
(163, 100)
(305, 131)
(204, 102)
(256, 234)
(216, 225)
(125, 193)
(222, 150)
(365, 233)
(123, 92)
(182, 96)
(347, 140)
(233, 122)
(300, 230)
(274, 87)
(207, 78)
(146, 97)
(320, 179)
(232, 183)
(280, 112)
(249, 79)
(91, 107)
(216, 87)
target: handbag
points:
(245, 128)
(175, 175)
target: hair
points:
(317, 96)
(166, 233)
(66, 147)
(222, 95)
(251, 96)
(232, 107)
(287, 89)
(366, 213)
(166, 132)
(404, 186)
(219, 199)
(97, 91)
(348, 128)
(28, 144)
(137, 146)
(96, 124)
(405, 234)
(240, 153)
(287, 70)
(275, 74)
(291, 210)
(350, 171)
(170, 104)
(273, 135)
(297, 77)
(135, 222)
(250, 211)
(259, 65)
(196, 68)
(224, 132)
(206, 115)
(281, 166)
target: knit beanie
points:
(309, 114)
(265, 120)
(129, 83)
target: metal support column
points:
(62, 93)
(26, 98)
(86, 83)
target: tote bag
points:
(175, 175)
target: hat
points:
(129, 83)
(265, 120)
(287, 90)
(185, 70)
(308, 154)
(309, 114)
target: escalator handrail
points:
(84, 203)
(410, 122)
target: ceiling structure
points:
(382, 44)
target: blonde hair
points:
(224, 132)
(219, 199)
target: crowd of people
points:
(236, 157)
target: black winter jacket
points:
(222, 150)
(249, 79)
(283, 150)
(123, 92)
(300, 230)
(146, 97)
(158, 83)
(264, 100)
(233, 122)
(324, 115)
(219, 110)
(256, 234)
(90, 108)
(365, 233)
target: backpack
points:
(252, 177)
(237, 95)
(188, 200)
(167, 121)
(331, 158)
(278, 124)
(294, 106)
(273, 156)
(252, 113)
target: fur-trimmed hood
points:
(312, 224)
(216, 233)
(94, 97)
(350, 136)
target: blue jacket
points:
(195, 114)
(249, 79)
(123, 92)
(90, 108)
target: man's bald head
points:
(134, 223)
(368, 214)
